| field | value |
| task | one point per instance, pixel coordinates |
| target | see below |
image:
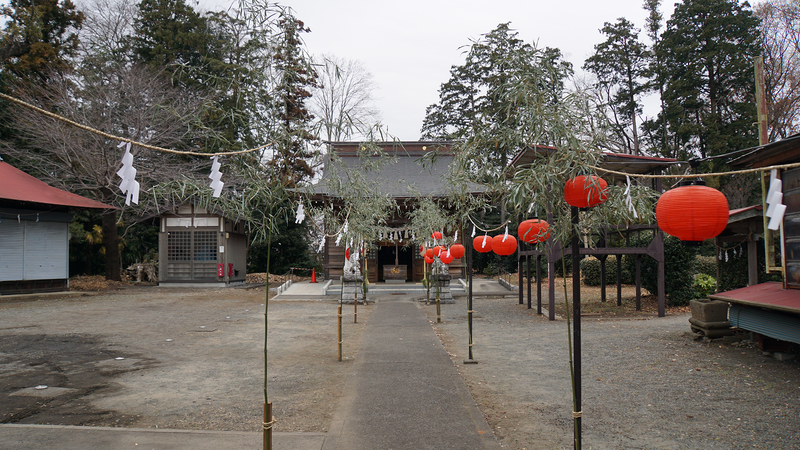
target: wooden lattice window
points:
(179, 246)
(205, 245)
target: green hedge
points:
(590, 271)
(679, 270)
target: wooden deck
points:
(765, 295)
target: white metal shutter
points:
(46, 247)
(11, 250)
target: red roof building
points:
(34, 232)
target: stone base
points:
(709, 310)
(445, 296)
(352, 287)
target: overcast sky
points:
(409, 46)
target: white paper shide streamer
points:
(129, 186)
(300, 214)
(628, 198)
(776, 208)
(216, 177)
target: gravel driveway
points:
(192, 359)
(647, 384)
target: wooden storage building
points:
(196, 245)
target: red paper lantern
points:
(479, 245)
(692, 213)
(504, 245)
(428, 259)
(533, 231)
(436, 235)
(429, 253)
(445, 258)
(437, 251)
(457, 251)
(584, 191)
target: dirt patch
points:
(193, 359)
(49, 377)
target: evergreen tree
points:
(39, 38)
(291, 161)
(479, 98)
(620, 66)
(707, 51)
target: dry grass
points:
(593, 306)
(95, 283)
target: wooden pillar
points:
(528, 272)
(539, 284)
(619, 280)
(752, 263)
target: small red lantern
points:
(428, 259)
(480, 246)
(347, 253)
(533, 231)
(436, 235)
(429, 253)
(504, 245)
(584, 191)
(692, 213)
(457, 251)
(437, 251)
(446, 258)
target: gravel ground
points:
(647, 383)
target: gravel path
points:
(647, 384)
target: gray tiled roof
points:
(403, 177)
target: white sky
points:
(410, 45)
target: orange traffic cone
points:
(313, 275)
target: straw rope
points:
(239, 152)
(117, 138)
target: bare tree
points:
(343, 105)
(107, 27)
(121, 100)
(780, 30)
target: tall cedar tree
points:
(620, 66)
(707, 51)
(291, 161)
(476, 100)
(39, 38)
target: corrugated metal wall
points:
(31, 250)
(775, 324)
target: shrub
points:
(704, 285)
(706, 265)
(590, 271)
(678, 270)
